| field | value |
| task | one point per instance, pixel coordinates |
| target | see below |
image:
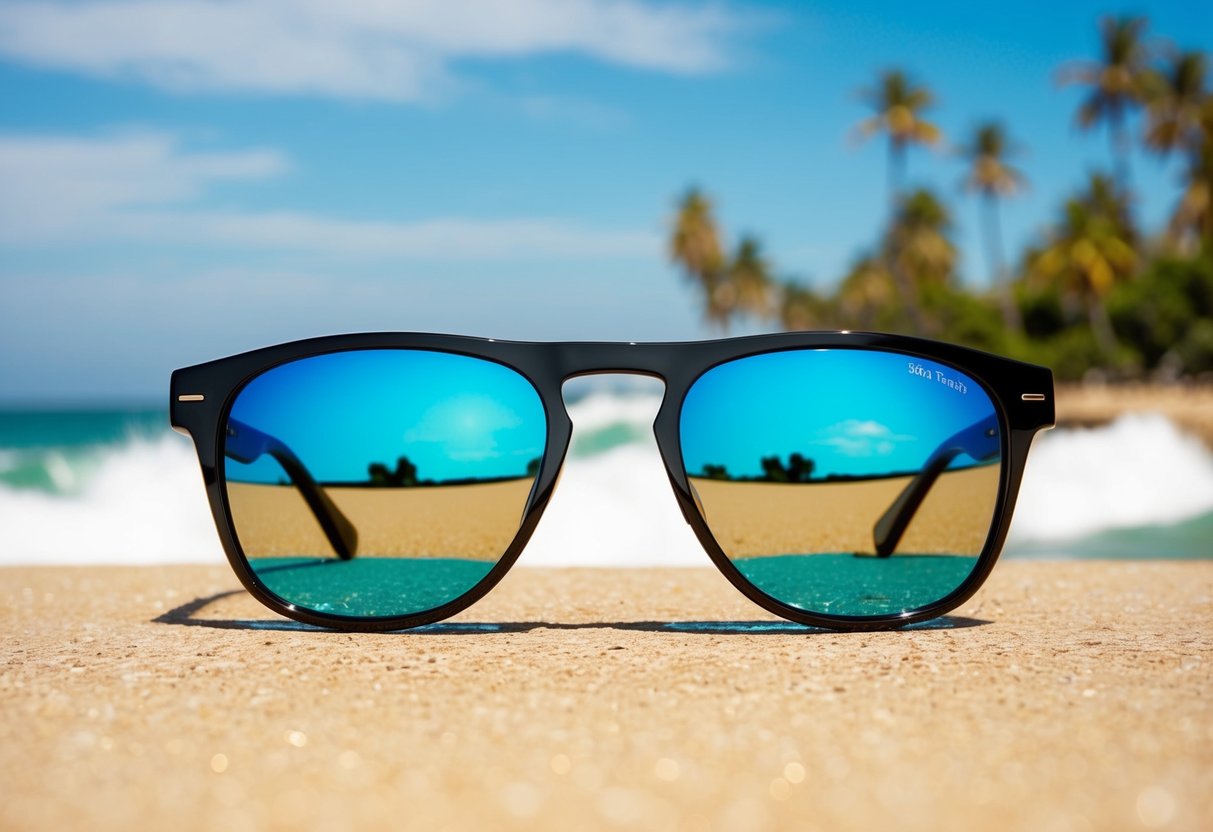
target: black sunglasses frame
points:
(201, 398)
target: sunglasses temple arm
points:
(979, 440)
(246, 444)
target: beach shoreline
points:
(1065, 695)
(1188, 404)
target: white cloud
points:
(56, 185)
(861, 438)
(144, 187)
(439, 239)
(401, 51)
(469, 428)
(865, 429)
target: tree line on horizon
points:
(1093, 292)
(404, 475)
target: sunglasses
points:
(853, 481)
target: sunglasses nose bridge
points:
(563, 431)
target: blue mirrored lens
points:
(380, 483)
(845, 482)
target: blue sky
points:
(180, 181)
(454, 417)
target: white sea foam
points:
(143, 501)
(602, 410)
(614, 509)
(1140, 470)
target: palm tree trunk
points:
(1011, 318)
(897, 160)
(897, 165)
(1101, 326)
(1121, 147)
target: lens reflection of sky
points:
(852, 412)
(453, 416)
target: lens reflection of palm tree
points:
(404, 476)
(798, 469)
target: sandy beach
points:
(477, 521)
(1065, 696)
(750, 518)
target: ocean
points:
(117, 486)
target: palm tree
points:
(1104, 198)
(749, 275)
(920, 252)
(1179, 117)
(1175, 101)
(695, 245)
(720, 303)
(1089, 251)
(1117, 84)
(1193, 216)
(867, 295)
(799, 307)
(919, 243)
(899, 104)
(991, 175)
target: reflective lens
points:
(845, 482)
(380, 483)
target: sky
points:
(184, 180)
(454, 416)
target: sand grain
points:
(1075, 699)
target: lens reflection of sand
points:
(750, 519)
(465, 521)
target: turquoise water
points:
(76, 428)
(55, 451)
(1186, 540)
(369, 587)
(847, 584)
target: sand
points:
(477, 521)
(754, 518)
(1065, 696)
